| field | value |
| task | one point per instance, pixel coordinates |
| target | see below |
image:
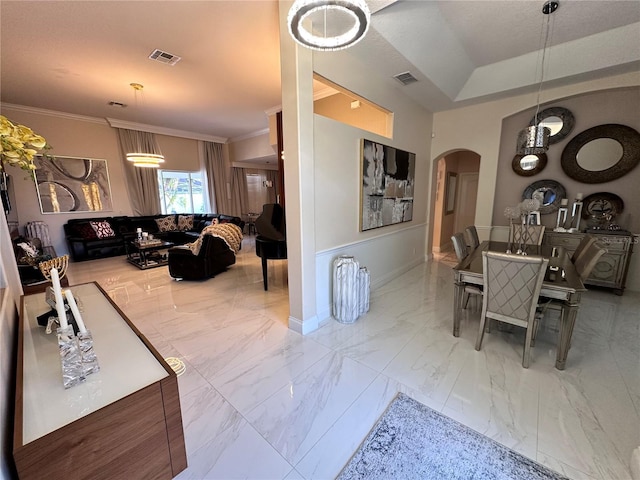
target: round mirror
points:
(553, 123)
(599, 154)
(557, 119)
(550, 191)
(602, 154)
(527, 165)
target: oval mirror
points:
(550, 191)
(601, 154)
(528, 165)
(557, 119)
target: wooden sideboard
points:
(122, 422)
(611, 270)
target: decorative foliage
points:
(19, 145)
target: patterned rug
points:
(412, 441)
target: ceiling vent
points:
(117, 104)
(164, 57)
(405, 78)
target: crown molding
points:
(53, 113)
(264, 131)
(115, 123)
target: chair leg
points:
(466, 300)
(483, 320)
(526, 357)
(536, 324)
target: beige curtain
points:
(216, 176)
(239, 197)
(142, 183)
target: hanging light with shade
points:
(328, 25)
(534, 140)
(141, 158)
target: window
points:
(181, 192)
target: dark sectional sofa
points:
(87, 243)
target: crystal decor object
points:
(87, 354)
(70, 358)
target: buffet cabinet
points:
(611, 270)
(121, 422)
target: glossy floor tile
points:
(261, 401)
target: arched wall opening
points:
(455, 176)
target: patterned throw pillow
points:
(167, 224)
(185, 222)
(103, 229)
(85, 231)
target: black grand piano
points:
(271, 242)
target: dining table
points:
(561, 284)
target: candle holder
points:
(561, 220)
(70, 358)
(576, 214)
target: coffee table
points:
(146, 254)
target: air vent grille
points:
(405, 78)
(164, 57)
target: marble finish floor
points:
(262, 402)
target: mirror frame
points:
(542, 162)
(548, 184)
(568, 122)
(626, 136)
(616, 203)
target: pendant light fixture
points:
(140, 157)
(327, 25)
(534, 140)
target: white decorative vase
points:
(364, 283)
(346, 308)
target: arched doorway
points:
(455, 178)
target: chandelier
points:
(534, 140)
(327, 25)
(141, 157)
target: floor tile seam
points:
(340, 417)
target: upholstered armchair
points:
(214, 257)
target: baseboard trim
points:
(303, 328)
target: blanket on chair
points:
(229, 232)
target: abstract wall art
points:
(388, 178)
(68, 184)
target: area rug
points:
(412, 441)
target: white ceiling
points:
(76, 56)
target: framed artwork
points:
(450, 193)
(387, 183)
(70, 185)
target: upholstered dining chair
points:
(584, 244)
(460, 246)
(526, 234)
(472, 236)
(512, 286)
(585, 263)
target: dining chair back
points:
(460, 246)
(586, 241)
(526, 234)
(472, 236)
(512, 286)
(588, 259)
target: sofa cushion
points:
(103, 229)
(167, 224)
(185, 222)
(85, 231)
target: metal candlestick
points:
(561, 220)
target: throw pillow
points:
(102, 229)
(185, 222)
(85, 231)
(167, 224)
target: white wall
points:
(10, 291)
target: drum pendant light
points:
(534, 140)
